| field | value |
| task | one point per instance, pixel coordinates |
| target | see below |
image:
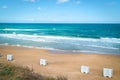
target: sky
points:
(60, 11)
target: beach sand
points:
(67, 65)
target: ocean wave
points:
(110, 39)
(39, 38)
(5, 44)
(88, 51)
(12, 29)
(102, 47)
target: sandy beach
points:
(67, 65)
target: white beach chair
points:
(43, 62)
(9, 57)
(107, 72)
(85, 69)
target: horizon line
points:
(62, 22)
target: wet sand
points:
(67, 65)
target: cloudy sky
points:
(60, 11)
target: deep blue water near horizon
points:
(89, 38)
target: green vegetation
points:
(10, 72)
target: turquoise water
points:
(89, 38)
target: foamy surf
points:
(43, 38)
(13, 29)
(66, 43)
(63, 37)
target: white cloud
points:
(62, 1)
(77, 2)
(4, 7)
(30, 0)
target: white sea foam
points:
(48, 48)
(18, 45)
(12, 29)
(102, 47)
(111, 40)
(38, 38)
(5, 44)
(88, 51)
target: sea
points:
(63, 37)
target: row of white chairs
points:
(107, 72)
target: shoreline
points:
(67, 65)
(61, 51)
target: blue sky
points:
(60, 11)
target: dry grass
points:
(10, 72)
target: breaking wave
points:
(39, 38)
